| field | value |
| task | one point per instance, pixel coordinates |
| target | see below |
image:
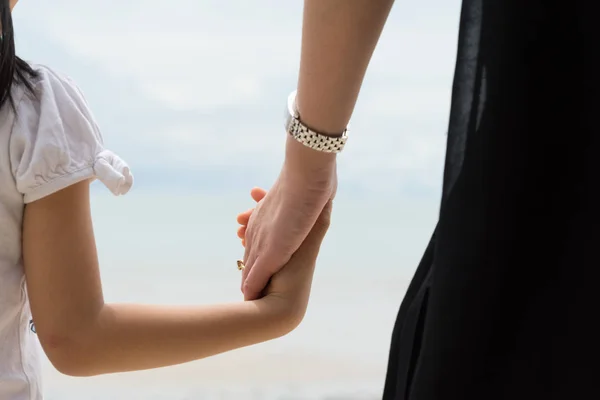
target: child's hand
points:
(257, 194)
(288, 290)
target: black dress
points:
(505, 303)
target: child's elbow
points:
(67, 355)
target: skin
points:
(338, 40)
(82, 335)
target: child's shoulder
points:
(50, 82)
(46, 73)
(53, 94)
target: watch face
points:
(287, 120)
(290, 111)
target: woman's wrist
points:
(329, 116)
(310, 167)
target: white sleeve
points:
(55, 142)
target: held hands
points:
(289, 289)
(282, 219)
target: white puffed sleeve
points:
(55, 142)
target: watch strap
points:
(311, 138)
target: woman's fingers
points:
(241, 232)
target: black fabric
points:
(505, 301)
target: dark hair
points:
(12, 68)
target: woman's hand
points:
(289, 289)
(285, 216)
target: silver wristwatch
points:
(308, 137)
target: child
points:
(52, 149)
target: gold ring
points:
(240, 265)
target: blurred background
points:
(191, 94)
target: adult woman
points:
(503, 301)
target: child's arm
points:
(82, 335)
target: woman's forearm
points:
(338, 40)
(127, 337)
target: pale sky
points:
(191, 93)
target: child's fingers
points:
(241, 232)
(258, 194)
(244, 217)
